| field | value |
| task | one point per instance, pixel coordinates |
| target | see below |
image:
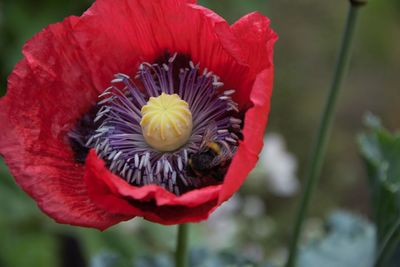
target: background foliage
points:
(309, 34)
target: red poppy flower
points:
(93, 157)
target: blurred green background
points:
(309, 34)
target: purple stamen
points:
(118, 137)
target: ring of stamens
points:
(128, 118)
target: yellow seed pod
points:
(166, 122)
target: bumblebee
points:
(212, 160)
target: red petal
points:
(121, 34)
(47, 92)
(255, 122)
(258, 40)
(151, 202)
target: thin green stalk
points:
(388, 245)
(181, 256)
(314, 169)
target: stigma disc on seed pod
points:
(166, 122)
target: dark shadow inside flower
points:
(172, 125)
(80, 134)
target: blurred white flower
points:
(253, 251)
(253, 206)
(263, 228)
(279, 166)
(222, 227)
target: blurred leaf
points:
(349, 242)
(5, 177)
(381, 152)
(28, 249)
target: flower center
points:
(166, 122)
(171, 125)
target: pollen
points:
(166, 122)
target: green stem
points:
(314, 169)
(181, 257)
(388, 245)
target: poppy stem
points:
(314, 168)
(181, 256)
